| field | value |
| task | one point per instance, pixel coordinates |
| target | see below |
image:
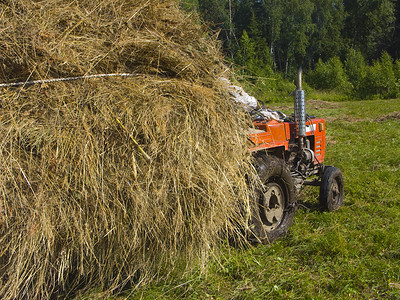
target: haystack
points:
(113, 180)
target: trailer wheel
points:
(331, 189)
(274, 204)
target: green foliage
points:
(330, 75)
(326, 40)
(356, 69)
(258, 63)
(269, 89)
(258, 77)
(189, 5)
(369, 25)
(381, 81)
(272, 12)
(295, 33)
(246, 52)
(214, 12)
(288, 33)
(269, 39)
(357, 78)
(396, 69)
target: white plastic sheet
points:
(249, 103)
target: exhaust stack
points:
(300, 107)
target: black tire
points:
(274, 204)
(331, 189)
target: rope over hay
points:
(83, 77)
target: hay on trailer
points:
(110, 181)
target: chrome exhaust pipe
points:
(300, 107)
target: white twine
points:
(68, 79)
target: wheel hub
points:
(335, 191)
(272, 206)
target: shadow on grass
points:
(310, 205)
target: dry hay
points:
(112, 181)
(391, 116)
(318, 104)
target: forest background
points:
(348, 49)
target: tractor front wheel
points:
(331, 189)
(274, 202)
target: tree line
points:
(276, 36)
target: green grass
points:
(326, 95)
(353, 253)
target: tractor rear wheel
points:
(274, 203)
(331, 189)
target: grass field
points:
(353, 253)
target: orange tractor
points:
(289, 154)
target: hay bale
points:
(111, 180)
